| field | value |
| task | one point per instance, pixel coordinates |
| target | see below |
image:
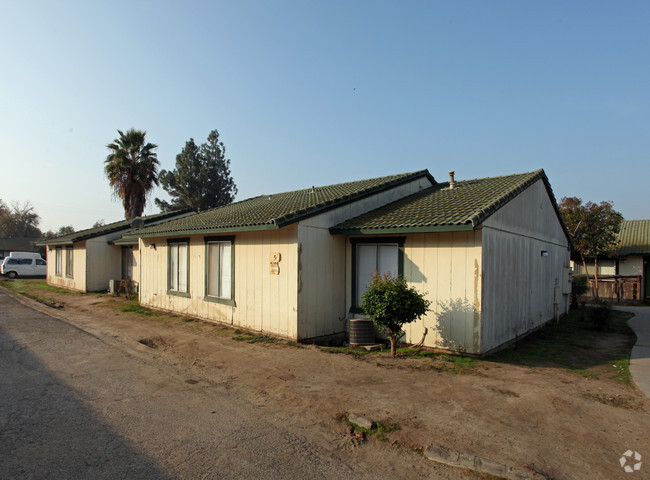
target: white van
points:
(23, 264)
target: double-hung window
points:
(374, 256)
(178, 266)
(219, 276)
(58, 261)
(68, 262)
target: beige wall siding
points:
(519, 284)
(263, 301)
(447, 267)
(78, 280)
(104, 263)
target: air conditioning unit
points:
(113, 286)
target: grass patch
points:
(428, 360)
(622, 373)
(585, 373)
(249, 337)
(356, 352)
(18, 285)
(30, 286)
(134, 307)
(34, 288)
(575, 343)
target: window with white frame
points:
(58, 261)
(373, 257)
(178, 266)
(219, 268)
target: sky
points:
(319, 92)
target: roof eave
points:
(392, 230)
(205, 231)
(51, 243)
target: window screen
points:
(58, 261)
(68, 261)
(220, 269)
(374, 258)
(178, 267)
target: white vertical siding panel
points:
(321, 297)
(447, 268)
(519, 283)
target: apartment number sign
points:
(274, 261)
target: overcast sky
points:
(318, 92)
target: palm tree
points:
(132, 169)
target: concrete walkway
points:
(640, 358)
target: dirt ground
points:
(558, 422)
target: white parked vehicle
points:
(23, 264)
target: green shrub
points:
(391, 303)
(600, 314)
(579, 286)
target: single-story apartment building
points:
(87, 260)
(491, 254)
(628, 265)
(18, 244)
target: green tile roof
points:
(634, 237)
(440, 208)
(278, 210)
(122, 225)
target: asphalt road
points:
(73, 405)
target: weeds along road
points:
(73, 405)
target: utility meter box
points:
(567, 280)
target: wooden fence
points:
(617, 288)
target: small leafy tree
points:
(391, 304)
(594, 229)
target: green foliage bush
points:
(391, 303)
(600, 314)
(579, 286)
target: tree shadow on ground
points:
(573, 343)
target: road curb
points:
(440, 454)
